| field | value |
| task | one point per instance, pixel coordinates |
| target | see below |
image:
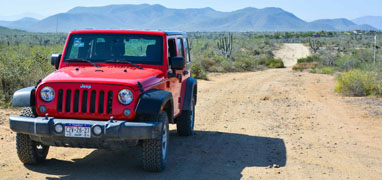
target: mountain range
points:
(147, 16)
(375, 21)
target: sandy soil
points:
(290, 52)
(274, 124)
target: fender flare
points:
(152, 103)
(191, 88)
(24, 97)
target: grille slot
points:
(68, 99)
(59, 102)
(76, 100)
(92, 101)
(110, 102)
(84, 101)
(101, 102)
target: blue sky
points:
(304, 9)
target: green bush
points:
(348, 62)
(308, 59)
(327, 70)
(198, 70)
(22, 66)
(359, 83)
(274, 63)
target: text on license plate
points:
(78, 130)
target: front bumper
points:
(43, 127)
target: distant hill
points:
(338, 25)
(146, 16)
(375, 21)
(5, 30)
(23, 23)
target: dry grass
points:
(305, 65)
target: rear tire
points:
(186, 121)
(154, 151)
(30, 152)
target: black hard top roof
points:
(169, 33)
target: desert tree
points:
(315, 45)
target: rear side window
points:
(179, 46)
(187, 50)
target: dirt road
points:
(245, 122)
(290, 52)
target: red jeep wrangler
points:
(111, 89)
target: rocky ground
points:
(273, 124)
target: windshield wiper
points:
(83, 60)
(124, 62)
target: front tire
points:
(154, 151)
(30, 152)
(186, 121)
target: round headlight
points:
(125, 96)
(47, 94)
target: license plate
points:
(77, 130)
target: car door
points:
(174, 80)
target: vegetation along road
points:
(272, 124)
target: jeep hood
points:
(106, 75)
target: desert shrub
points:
(359, 83)
(198, 70)
(314, 71)
(22, 66)
(348, 62)
(328, 58)
(305, 65)
(364, 55)
(327, 70)
(274, 63)
(227, 66)
(307, 59)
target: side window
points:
(171, 49)
(187, 50)
(179, 45)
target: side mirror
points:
(55, 60)
(177, 62)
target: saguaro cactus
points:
(315, 45)
(225, 45)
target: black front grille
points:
(81, 102)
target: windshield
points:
(98, 48)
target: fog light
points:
(59, 128)
(127, 112)
(42, 109)
(97, 130)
